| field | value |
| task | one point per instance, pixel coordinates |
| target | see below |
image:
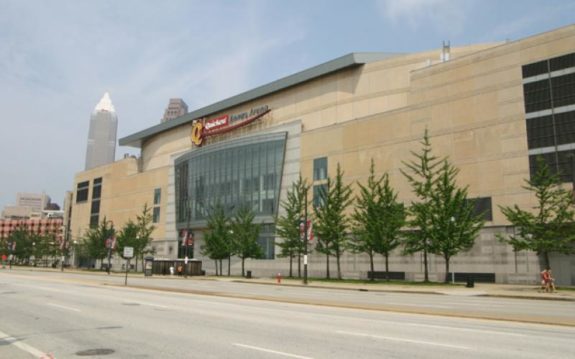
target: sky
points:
(58, 58)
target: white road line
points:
(5, 338)
(63, 307)
(405, 340)
(465, 329)
(271, 351)
(417, 305)
(153, 305)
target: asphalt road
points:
(71, 316)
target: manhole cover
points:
(93, 352)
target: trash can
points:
(148, 266)
(249, 274)
(470, 282)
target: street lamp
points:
(305, 240)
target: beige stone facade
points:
(473, 106)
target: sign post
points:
(128, 254)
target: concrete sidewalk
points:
(480, 289)
(459, 289)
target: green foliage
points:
(548, 227)
(217, 238)
(137, 234)
(331, 222)
(288, 225)
(422, 174)
(377, 219)
(93, 243)
(245, 236)
(454, 225)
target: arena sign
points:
(203, 128)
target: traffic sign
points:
(128, 252)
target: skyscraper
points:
(102, 136)
(176, 108)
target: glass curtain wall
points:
(242, 173)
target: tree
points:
(331, 220)
(217, 239)
(288, 226)
(245, 235)
(454, 224)
(145, 229)
(548, 227)
(378, 219)
(422, 173)
(21, 242)
(93, 242)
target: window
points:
(482, 206)
(552, 131)
(537, 96)
(157, 196)
(95, 207)
(156, 215)
(563, 89)
(320, 169)
(82, 191)
(318, 192)
(157, 205)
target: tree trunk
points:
(243, 272)
(299, 265)
(546, 259)
(387, 267)
(338, 265)
(446, 269)
(371, 266)
(327, 266)
(229, 266)
(291, 265)
(221, 264)
(426, 273)
(215, 260)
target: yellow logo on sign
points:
(198, 133)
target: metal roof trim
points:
(340, 63)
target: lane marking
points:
(63, 307)
(423, 342)
(418, 305)
(270, 351)
(5, 338)
(153, 305)
(464, 329)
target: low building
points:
(490, 108)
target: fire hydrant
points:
(279, 278)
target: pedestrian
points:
(544, 280)
(550, 281)
(180, 270)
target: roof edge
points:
(353, 59)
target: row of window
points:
(548, 93)
(545, 66)
(556, 127)
(551, 130)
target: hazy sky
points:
(57, 58)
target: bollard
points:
(279, 278)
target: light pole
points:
(305, 240)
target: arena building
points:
(490, 108)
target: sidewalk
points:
(480, 289)
(517, 291)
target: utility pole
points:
(305, 240)
(186, 238)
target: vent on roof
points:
(446, 51)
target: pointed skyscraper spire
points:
(105, 104)
(102, 136)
